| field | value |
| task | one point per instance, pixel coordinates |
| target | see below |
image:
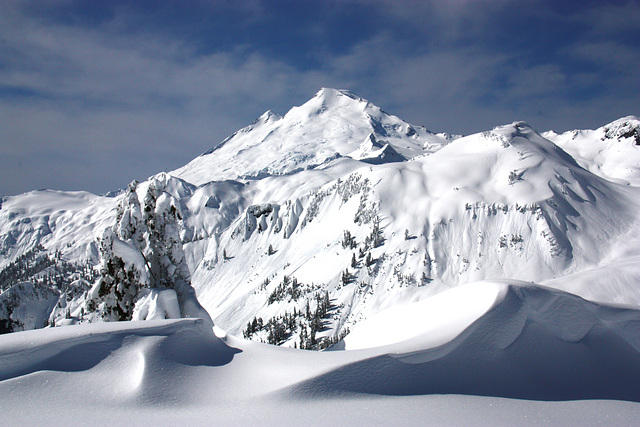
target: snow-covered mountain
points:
(332, 124)
(610, 151)
(297, 228)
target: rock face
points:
(296, 228)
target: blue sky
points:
(94, 94)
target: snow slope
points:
(27, 304)
(339, 197)
(610, 151)
(532, 343)
(440, 318)
(506, 203)
(66, 221)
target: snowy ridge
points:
(473, 210)
(611, 151)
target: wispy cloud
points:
(123, 106)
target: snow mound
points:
(134, 358)
(531, 343)
(535, 343)
(440, 318)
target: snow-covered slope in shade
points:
(611, 151)
(26, 306)
(333, 123)
(532, 343)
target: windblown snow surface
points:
(499, 353)
(486, 279)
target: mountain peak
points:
(611, 151)
(514, 127)
(626, 127)
(328, 93)
(329, 99)
(330, 125)
(268, 116)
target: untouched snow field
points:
(527, 355)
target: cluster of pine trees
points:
(289, 289)
(305, 323)
(39, 267)
(39, 277)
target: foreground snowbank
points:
(534, 343)
(523, 342)
(439, 319)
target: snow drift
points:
(535, 343)
(527, 342)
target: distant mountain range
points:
(298, 227)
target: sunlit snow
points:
(435, 268)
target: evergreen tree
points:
(376, 233)
(118, 285)
(348, 241)
(346, 277)
(368, 260)
(424, 279)
(150, 229)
